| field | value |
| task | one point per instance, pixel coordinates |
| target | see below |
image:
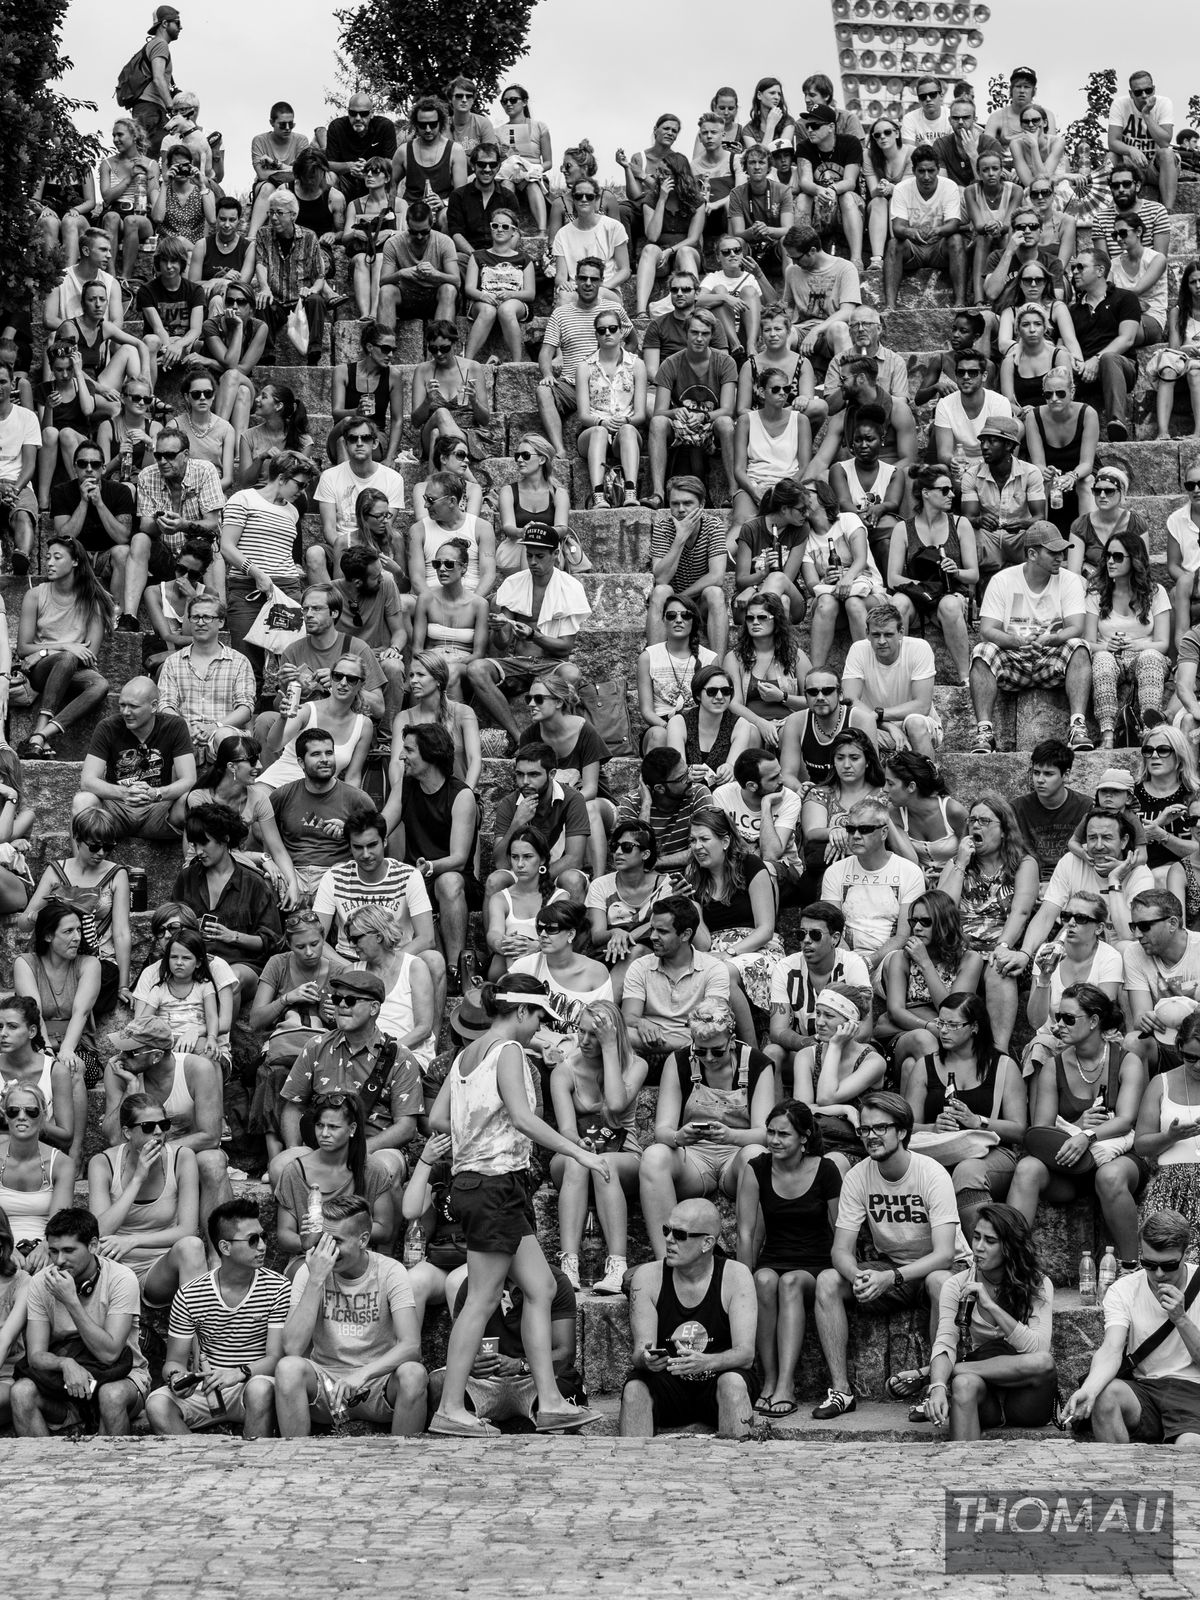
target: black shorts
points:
(495, 1210)
(676, 1402)
(1028, 1404)
(1170, 1406)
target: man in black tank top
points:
(220, 257)
(677, 1377)
(807, 735)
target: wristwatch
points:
(983, 1122)
(897, 1278)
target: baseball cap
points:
(146, 1033)
(1044, 536)
(1115, 778)
(1001, 428)
(164, 14)
(366, 985)
(1023, 72)
(540, 536)
(819, 115)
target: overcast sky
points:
(596, 72)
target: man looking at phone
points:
(236, 1315)
(693, 1319)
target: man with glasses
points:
(1108, 324)
(958, 151)
(419, 276)
(806, 736)
(339, 487)
(1151, 1317)
(688, 560)
(866, 335)
(1031, 636)
(1126, 200)
(872, 888)
(352, 140)
(177, 499)
(222, 258)
(796, 982)
(98, 511)
(367, 390)
(676, 1381)
(907, 1203)
(1109, 870)
(207, 683)
(1005, 284)
(430, 166)
(469, 214)
(232, 1319)
(1141, 125)
(355, 1056)
(569, 339)
(665, 799)
(928, 119)
(1163, 963)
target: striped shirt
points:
(265, 533)
(342, 892)
(572, 331)
(230, 1336)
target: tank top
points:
(717, 753)
(915, 546)
(522, 517)
(225, 263)
(709, 1313)
(93, 356)
(594, 1110)
(1070, 1107)
(1063, 456)
(57, 1004)
(859, 492)
(1187, 1151)
(396, 1013)
(376, 225)
(452, 644)
(28, 1210)
(525, 927)
(947, 833)
(982, 1099)
(436, 536)
(427, 819)
(416, 176)
(1029, 390)
(94, 905)
(146, 1216)
(379, 397)
(315, 215)
(288, 769)
(768, 460)
(484, 1138)
(814, 747)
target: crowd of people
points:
(864, 1001)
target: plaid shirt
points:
(201, 493)
(285, 273)
(229, 684)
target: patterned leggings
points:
(1147, 669)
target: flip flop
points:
(763, 1405)
(453, 1428)
(780, 1408)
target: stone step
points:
(49, 786)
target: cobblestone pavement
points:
(221, 1520)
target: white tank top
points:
(1187, 1151)
(768, 460)
(858, 493)
(481, 1129)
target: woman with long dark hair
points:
(924, 809)
(1127, 623)
(769, 117)
(64, 621)
(737, 897)
(99, 890)
(620, 903)
(887, 164)
(665, 671)
(1181, 357)
(486, 1104)
(339, 1166)
(791, 1193)
(512, 913)
(766, 665)
(673, 217)
(61, 977)
(232, 781)
(375, 530)
(239, 913)
(933, 962)
(991, 1364)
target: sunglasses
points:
(857, 829)
(386, 349)
(812, 935)
(360, 438)
(502, 227)
(1144, 924)
(425, 127)
(676, 616)
(356, 939)
(525, 455)
(589, 278)
(1068, 1018)
(1165, 1267)
(1056, 394)
(1028, 227)
(934, 94)
(22, 1111)
(539, 699)
(585, 194)
(1106, 488)
(486, 166)
(920, 922)
(942, 488)
(680, 1235)
(1079, 916)
(345, 677)
(1192, 485)
(717, 689)
(608, 327)
(828, 688)
(1157, 750)
(156, 1125)
(201, 394)
(438, 561)
(348, 999)
(167, 455)
(510, 100)
(627, 847)
(1116, 555)
(236, 300)
(730, 252)
(1040, 194)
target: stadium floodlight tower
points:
(885, 46)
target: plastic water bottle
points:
(958, 462)
(314, 1215)
(137, 188)
(414, 1245)
(1107, 1275)
(1087, 1279)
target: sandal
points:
(653, 502)
(907, 1385)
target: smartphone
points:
(657, 1350)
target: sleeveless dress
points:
(184, 216)
(149, 1216)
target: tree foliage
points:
(406, 48)
(1092, 128)
(42, 139)
(1193, 111)
(997, 93)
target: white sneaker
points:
(568, 1265)
(614, 1275)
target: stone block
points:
(312, 385)
(1062, 1233)
(49, 786)
(410, 340)
(516, 387)
(1153, 465)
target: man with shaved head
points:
(139, 762)
(693, 1319)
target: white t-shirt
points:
(792, 984)
(1125, 116)
(949, 413)
(901, 1213)
(1132, 627)
(891, 685)
(910, 205)
(1107, 967)
(1147, 972)
(359, 1318)
(1154, 301)
(871, 900)
(916, 128)
(748, 821)
(1186, 537)
(745, 285)
(1131, 1304)
(1073, 876)
(1064, 596)
(337, 486)
(19, 428)
(602, 240)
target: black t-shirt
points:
(1049, 832)
(737, 911)
(127, 760)
(829, 166)
(117, 499)
(174, 306)
(344, 143)
(668, 335)
(1097, 326)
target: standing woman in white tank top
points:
(487, 1106)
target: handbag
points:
(607, 710)
(279, 624)
(297, 328)
(74, 1349)
(600, 1135)
(20, 691)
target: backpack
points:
(132, 79)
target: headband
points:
(525, 1000)
(842, 1004)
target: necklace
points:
(57, 993)
(1095, 1077)
(201, 433)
